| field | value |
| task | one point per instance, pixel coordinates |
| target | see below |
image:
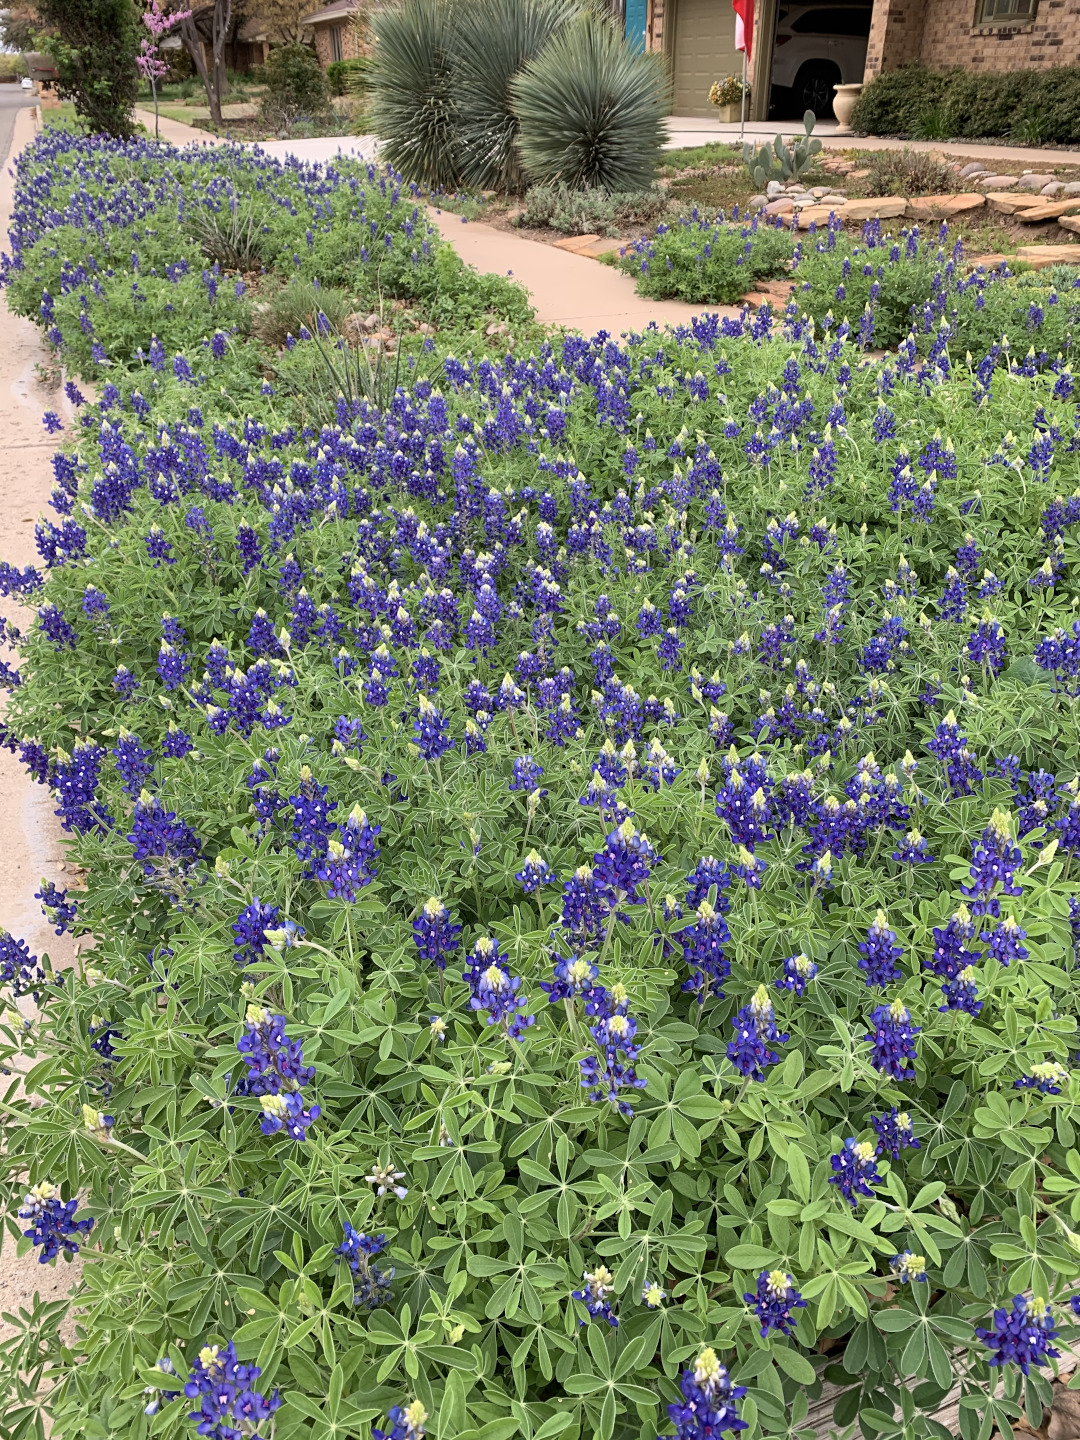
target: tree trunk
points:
(222, 26)
(213, 77)
(194, 46)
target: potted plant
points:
(727, 96)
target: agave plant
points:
(494, 40)
(591, 110)
(413, 87)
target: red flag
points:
(744, 24)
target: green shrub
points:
(295, 86)
(233, 236)
(12, 67)
(592, 110)
(300, 305)
(494, 40)
(582, 212)
(908, 172)
(93, 44)
(414, 94)
(349, 77)
(708, 262)
(1036, 106)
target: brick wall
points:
(950, 36)
(941, 33)
(896, 35)
(355, 40)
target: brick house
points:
(698, 36)
(339, 31)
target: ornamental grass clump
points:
(580, 850)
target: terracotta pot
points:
(844, 104)
(729, 114)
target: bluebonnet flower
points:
(584, 910)
(913, 850)
(312, 826)
(52, 422)
(623, 865)
(708, 1406)
(1047, 1077)
(228, 1400)
(75, 780)
(56, 628)
(134, 761)
(609, 1072)
(774, 1300)
(950, 747)
(527, 773)
(855, 1170)
(880, 953)
(430, 728)
(173, 666)
(993, 867)
(124, 682)
(986, 646)
(653, 1295)
(799, 970)
(1021, 1336)
(372, 1283)
(755, 1029)
(908, 1267)
(276, 1074)
(56, 907)
(893, 1040)
(249, 931)
(895, 1133)
(495, 990)
(406, 1423)
(950, 954)
(348, 864)
(574, 976)
(707, 874)
(384, 1180)
(535, 874)
(960, 993)
(159, 547)
(177, 743)
(703, 945)
(52, 1221)
(1005, 942)
(167, 847)
(435, 934)
(599, 1284)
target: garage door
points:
(704, 51)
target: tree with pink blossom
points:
(159, 20)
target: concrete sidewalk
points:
(320, 149)
(566, 289)
(686, 133)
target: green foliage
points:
(414, 93)
(708, 262)
(494, 40)
(592, 110)
(908, 172)
(93, 44)
(781, 161)
(665, 464)
(295, 86)
(584, 212)
(1032, 106)
(349, 77)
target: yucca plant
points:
(494, 40)
(591, 110)
(413, 89)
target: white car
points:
(817, 47)
(26, 83)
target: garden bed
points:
(578, 841)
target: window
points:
(1005, 12)
(335, 42)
